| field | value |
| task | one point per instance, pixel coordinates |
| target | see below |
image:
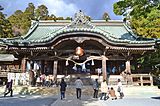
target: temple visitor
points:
(9, 88)
(104, 90)
(95, 88)
(112, 94)
(120, 89)
(63, 86)
(79, 85)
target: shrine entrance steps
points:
(88, 79)
(113, 80)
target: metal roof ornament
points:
(80, 21)
(33, 23)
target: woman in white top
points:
(120, 89)
(104, 90)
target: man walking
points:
(79, 85)
(9, 88)
(63, 86)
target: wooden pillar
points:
(128, 70)
(141, 80)
(104, 71)
(55, 64)
(23, 65)
(128, 66)
(42, 66)
(151, 80)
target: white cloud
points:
(59, 7)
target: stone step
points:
(88, 80)
(70, 79)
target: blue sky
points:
(93, 8)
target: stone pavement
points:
(73, 101)
(134, 96)
(27, 100)
(131, 102)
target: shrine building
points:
(78, 46)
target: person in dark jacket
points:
(63, 86)
(9, 88)
(95, 87)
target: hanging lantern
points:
(79, 51)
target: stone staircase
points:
(86, 79)
(114, 78)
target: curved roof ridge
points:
(34, 25)
(130, 31)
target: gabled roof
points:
(114, 31)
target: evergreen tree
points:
(17, 20)
(5, 26)
(41, 12)
(30, 11)
(144, 16)
(21, 21)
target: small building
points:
(77, 46)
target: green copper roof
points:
(44, 31)
(118, 32)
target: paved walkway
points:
(134, 96)
(131, 102)
(73, 101)
(86, 101)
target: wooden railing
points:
(133, 79)
(142, 79)
(3, 73)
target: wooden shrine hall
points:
(77, 46)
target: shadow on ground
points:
(38, 91)
(158, 97)
(90, 102)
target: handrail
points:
(11, 70)
(141, 80)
